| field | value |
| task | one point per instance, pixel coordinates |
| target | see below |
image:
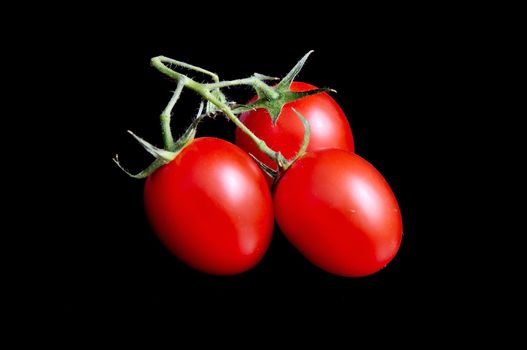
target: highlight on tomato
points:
(211, 207)
(329, 126)
(339, 212)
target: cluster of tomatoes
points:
(214, 208)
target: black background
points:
(393, 75)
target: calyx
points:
(274, 102)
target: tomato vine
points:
(272, 98)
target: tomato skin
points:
(329, 126)
(338, 210)
(211, 207)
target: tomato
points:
(211, 207)
(329, 126)
(338, 210)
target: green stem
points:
(157, 62)
(222, 84)
(273, 99)
(168, 139)
(204, 91)
(262, 146)
(305, 140)
(214, 76)
(252, 81)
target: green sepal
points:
(290, 96)
(285, 83)
(283, 93)
(158, 153)
(190, 133)
(274, 107)
(264, 77)
(266, 169)
(263, 94)
(163, 156)
(143, 173)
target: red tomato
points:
(211, 207)
(329, 126)
(338, 210)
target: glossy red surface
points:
(211, 207)
(338, 210)
(329, 126)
